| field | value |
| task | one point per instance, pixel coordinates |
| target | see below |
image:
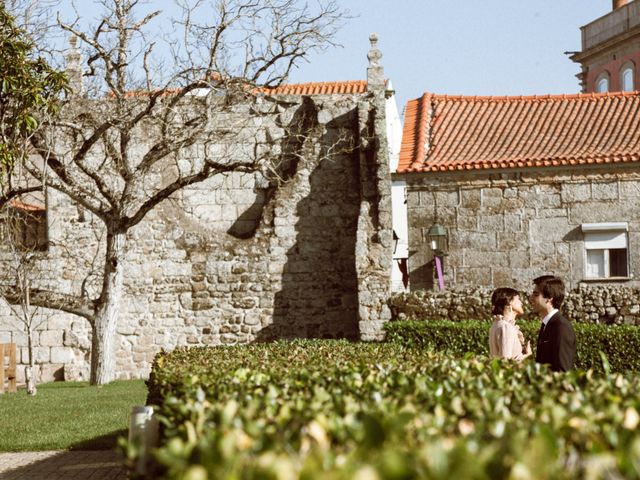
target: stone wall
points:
(374, 240)
(612, 304)
(239, 257)
(506, 228)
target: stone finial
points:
(73, 67)
(375, 72)
(374, 55)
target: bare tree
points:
(22, 238)
(127, 144)
(35, 17)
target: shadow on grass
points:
(108, 441)
(79, 465)
(65, 385)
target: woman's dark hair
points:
(501, 297)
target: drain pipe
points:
(143, 432)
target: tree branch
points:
(68, 183)
(209, 169)
(54, 300)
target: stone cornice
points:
(606, 46)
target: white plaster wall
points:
(394, 128)
(400, 226)
(398, 189)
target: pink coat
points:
(506, 341)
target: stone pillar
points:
(374, 243)
(74, 68)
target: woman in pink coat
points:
(505, 338)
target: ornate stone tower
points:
(610, 55)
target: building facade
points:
(520, 187)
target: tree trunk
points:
(28, 371)
(27, 319)
(31, 381)
(107, 312)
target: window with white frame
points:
(626, 77)
(602, 83)
(606, 250)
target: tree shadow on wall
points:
(248, 222)
(319, 292)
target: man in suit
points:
(556, 339)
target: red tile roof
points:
(444, 132)
(311, 88)
(147, 93)
(318, 88)
(27, 207)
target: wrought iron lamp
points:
(438, 242)
(437, 239)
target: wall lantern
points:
(437, 239)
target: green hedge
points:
(620, 343)
(339, 410)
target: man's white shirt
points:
(548, 316)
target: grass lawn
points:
(68, 415)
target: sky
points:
(466, 47)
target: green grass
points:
(68, 415)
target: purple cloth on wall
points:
(439, 272)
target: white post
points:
(143, 431)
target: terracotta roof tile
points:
(147, 93)
(311, 88)
(27, 207)
(443, 132)
(318, 88)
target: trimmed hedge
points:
(339, 410)
(620, 343)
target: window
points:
(602, 83)
(606, 252)
(24, 226)
(626, 78)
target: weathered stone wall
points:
(237, 258)
(611, 304)
(506, 228)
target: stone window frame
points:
(627, 67)
(603, 77)
(605, 237)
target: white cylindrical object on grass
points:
(143, 431)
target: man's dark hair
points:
(551, 287)
(501, 297)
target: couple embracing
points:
(556, 343)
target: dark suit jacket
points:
(557, 344)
